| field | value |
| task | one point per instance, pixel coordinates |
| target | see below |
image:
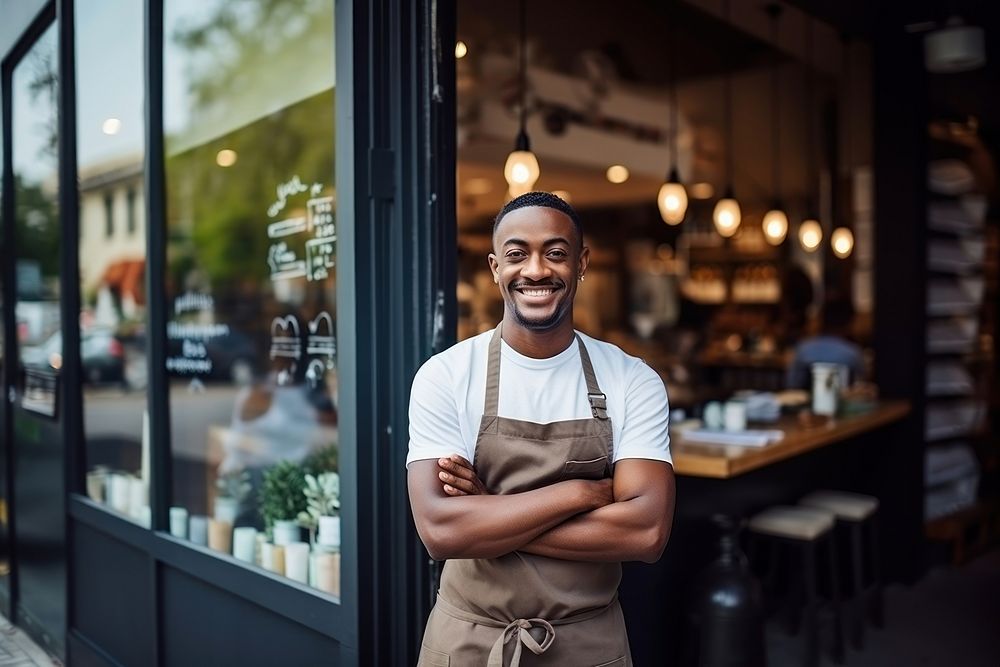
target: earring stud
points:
(581, 277)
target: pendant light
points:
(842, 241)
(810, 231)
(672, 198)
(775, 223)
(521, 169)
(727, 215)
(842, 238)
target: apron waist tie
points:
(517, 630)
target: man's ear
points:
(584, 260)
(494, 267)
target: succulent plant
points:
(234, 485)
(322, 493)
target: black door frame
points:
(43, 20)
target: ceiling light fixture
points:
(810, 235)
(521, 169)
(775, 222)
(842, 242)
(811, 230)
(672, 198)
(617, 173)
(727, 215)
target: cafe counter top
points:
(722, 462)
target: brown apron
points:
(564, 612)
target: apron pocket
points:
(590, 469)
(620, 662)
(431, 658)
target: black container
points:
(726, 615)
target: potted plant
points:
(281, 500)
(321, 460)
(232, 489)
(322, 493)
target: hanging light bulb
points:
(775, 225)
(810, 235)
(521, 169)
(842, 241)
(727, 215)
(672, 200)
(775, 222)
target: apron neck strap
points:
(598, 401)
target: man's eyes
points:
(552, 254)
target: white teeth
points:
(537, 292)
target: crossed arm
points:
(627, 518)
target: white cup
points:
(712, 415)
(198, 529)
(735, 416)
(179, 522)
(119, 486)
(245, 543)
(297, 561)
(826, 386)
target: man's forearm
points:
(491, 526)
(622, 531)
(635, 527)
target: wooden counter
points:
(722, 462)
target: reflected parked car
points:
(102, 355)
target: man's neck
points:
(538, 344)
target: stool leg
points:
(810, 611)
(838, 619)
(878, 602)
(858, 601)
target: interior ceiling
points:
(632, 33)
(634, 36)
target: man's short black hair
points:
(545, 199)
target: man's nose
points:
(535, 268)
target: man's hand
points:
(459, 477)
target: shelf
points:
(730, 256)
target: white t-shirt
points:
(446, 399)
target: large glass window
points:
(110, 150)
(251, 220)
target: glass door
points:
(38, 492)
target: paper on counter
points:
(748, 438)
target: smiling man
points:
(539, 461)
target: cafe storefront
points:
(222, 266)
(232, 231)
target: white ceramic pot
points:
(286, 532)
(225, 509)
(329, 531)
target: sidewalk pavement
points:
(18, 650)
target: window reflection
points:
(251, 215)
(110, 151)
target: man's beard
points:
(549, 322)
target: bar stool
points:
(857, 513)
(803, 530)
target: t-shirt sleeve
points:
(435, 431)
(645, 430)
